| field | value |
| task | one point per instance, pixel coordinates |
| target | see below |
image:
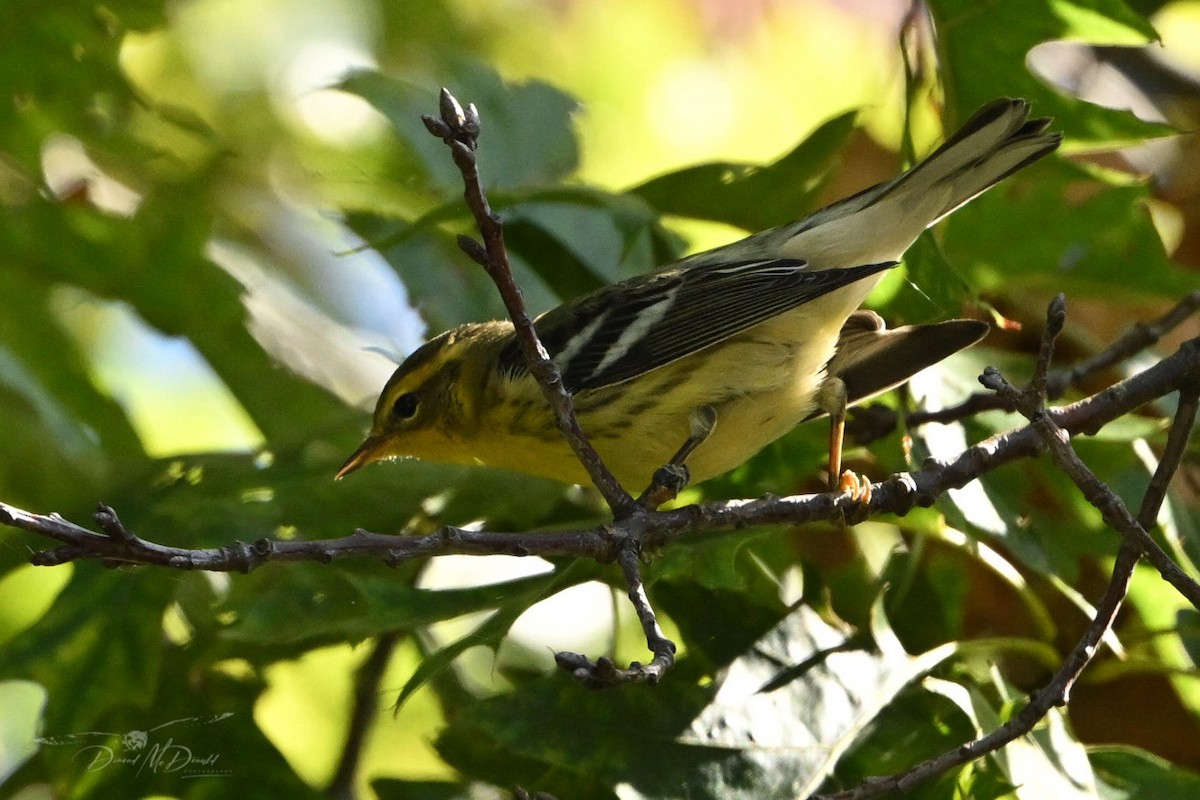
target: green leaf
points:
(982, 52)
(1047, 762)
(752, 197)
(494, 629)
(718, 594)
(725, 741)
(108, 625)
(65, 68)
(155, 263)
(23, 702)
(564, 241)
(174, 741)
(526, 126)
(579, 241)
(391, 789)
(933, 287)
(57, 423)
(1129, 773)
(1097, 233)
(316, 606)
(915, 726)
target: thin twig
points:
(636, 527)
(460, 130)
(603, 672)
(1056, 318)
(896, 495)
(367, 679)
(973, 405)
(1050, 696)
(1031, 403)
(662, 647)
(1139, 337)
(1173, 452)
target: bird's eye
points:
(405, 405)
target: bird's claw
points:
(859, 490)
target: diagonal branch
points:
(367, 678)
(1057, 691)
(460, 131)
(1031, 403)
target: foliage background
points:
(189, 330)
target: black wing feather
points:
(687, 320)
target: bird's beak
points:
(367, 452)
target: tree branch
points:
(460, 131)
(637, 528)
(896, 495)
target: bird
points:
(707, 360)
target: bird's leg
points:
(837, 428)
(670, 478)
(701, 425)
(832, 400)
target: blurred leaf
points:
(390, 789)
(155, 263)
(564, 241)
(492, 631)
(718, 595)
(1044, 502)
(57, 423)
(567, 274)
(108, 625)
(61, 64)
(716, 562)
(526, 137)
(933, 289)
(748, 196)
(193, 745)
(194, 147)
(317, 606)
(1086, 252)
(578, 241)
(534, 738)
(1129, 773)
(447, 287)
(979, 63)
(1047, 762)
(915, 726)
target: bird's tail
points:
(995, 142)
(879, 223)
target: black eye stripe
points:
(405, 405)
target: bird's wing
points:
(630, 328)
